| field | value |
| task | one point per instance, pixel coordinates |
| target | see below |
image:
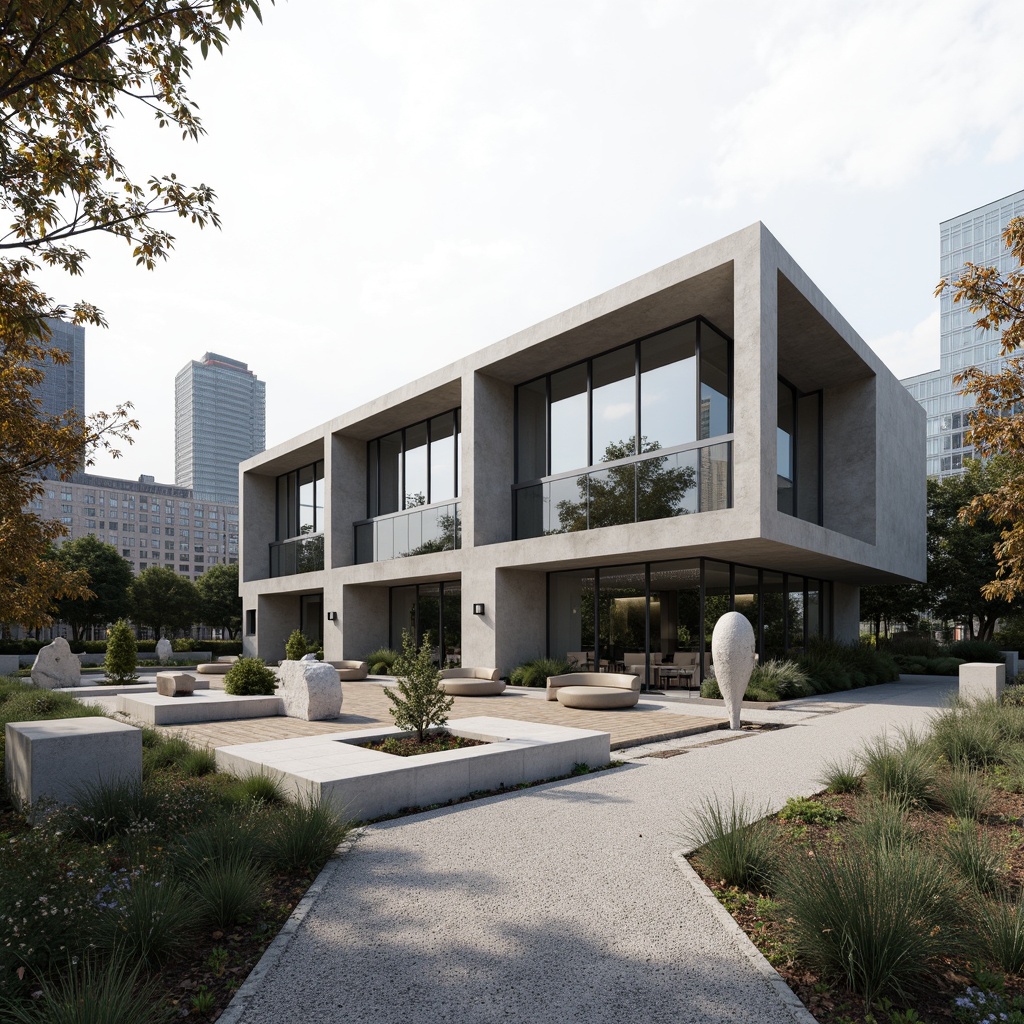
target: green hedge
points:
(217, 647)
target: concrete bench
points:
(349, 671)
(471, 682)
(179, 684)
(56, 759)
(217, 667)
(594, 690)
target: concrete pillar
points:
(846, 612)
(276, 616)
(487, 452)
(513, 627)
(363, 620)
(345, 489)
(258, 525)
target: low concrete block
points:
(56, 666)
(54, 760)
(176, 684)
(9, 664)
(982, 681)
(205, 706)
(1011, 664)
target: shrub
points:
(299, 645)
(250, 677)
(122, 653)
(167, 753)
(841, 776)
(1000, 932)
(910, 644)
(420, 701)
(810, 812)
(972, 856)
(901, 770)
(879, 919)
(975, 650)
(735, 844)
(302, 836)
(184, 644)
(536, 672)
(832, 665)
(381, 661)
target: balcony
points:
(415, 531)
(657, 485)
(297, 554)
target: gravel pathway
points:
(562, 903)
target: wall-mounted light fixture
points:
(478, 609)
(332, 616)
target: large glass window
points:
(784, 447)
(715, 383)
(300, 502)
(432, 614)
(614, 405)
(419, 465)
(532, 436)
(799, 453)
(668, 388)
(569, 446)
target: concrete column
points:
(846, 612)
(276, 616)
(513, 628)
(487, 453)
(363, 620)
(258, 525)
(345, 487)
(848, 460)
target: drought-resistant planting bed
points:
(148, 902)
(894, 895)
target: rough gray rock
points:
(55, 666)
(309, 689)
(164, 651)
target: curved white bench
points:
(217, 667)
(471, 682)
(594, 690)
(350, 670)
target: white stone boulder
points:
(164, 651)
(55, 666)
(309, 689)
(732, 651)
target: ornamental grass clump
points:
(841, 776)
(150, 921)
(381, 661)
(420, 702)
(882, 825)
(1000, 935)
(735, 843)
(964, 793)
(970, 734)
(901, 770)
(881, 920)
(122, 655)
(536, 672)
(303, 833)
(972, 857)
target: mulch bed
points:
(409, 746)
(761, 919)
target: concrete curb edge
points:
(772, 978)
(279, 946)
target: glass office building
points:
(219, 421)
(973, 237)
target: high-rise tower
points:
(63, 388)
(219, 421)
(973, 237)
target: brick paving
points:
(365, 705)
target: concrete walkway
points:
(561, 903)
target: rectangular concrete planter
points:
(363, 784)
(53, 760)
(982, 681)
(9, 664)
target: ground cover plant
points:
(895, 895)
(432, 743)
(168, 891)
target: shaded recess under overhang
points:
(709, 294)
(383, 420)
(812, 353)
(293, 459)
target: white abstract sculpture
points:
(164, 651)
(732, 650)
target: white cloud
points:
(908, 352)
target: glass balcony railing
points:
(297, 554)
(416, 531)
(658, 485)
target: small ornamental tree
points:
(298, 646)
(250, 677)
(122, 654)
(420, 701)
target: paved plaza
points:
(566, 902)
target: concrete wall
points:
(257, 526)
(364, 620)
(849, 415)
(345, 484)
(276, 616)
(488, 423)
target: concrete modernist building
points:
(220, 418)
(710, 435)
(973, 237)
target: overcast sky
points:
(403, 183)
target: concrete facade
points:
(872, 480)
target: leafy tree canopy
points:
(161, 599)
(68, 72)
(997, 426)
(109, 579)
(219, 603)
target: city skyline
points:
(448, 176)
